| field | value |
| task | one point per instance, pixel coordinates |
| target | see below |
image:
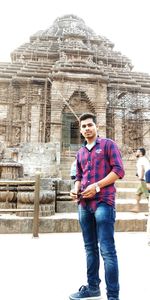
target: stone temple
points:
(60, 73)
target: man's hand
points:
(89, 192)
(74, 194)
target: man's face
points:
(88, 128)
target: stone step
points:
(125, 221)
(130, 177)
(67, 184)
(129, 165)
(129, 174)
(68, 222)
(127, 183)
(123, 193)
(126, 205)
(122, 205)
(126, 193)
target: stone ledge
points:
(122, 205)
(67, 222)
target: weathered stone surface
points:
(67, 223)
(60, 73)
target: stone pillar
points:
(101, 121)
(146, 137)
(35, 123)
(3, 116)
(118, 127)
(100, 108)
(56, 112)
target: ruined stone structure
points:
(60, 73)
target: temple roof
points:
(70, 48)
(67, 25)
(67, 33)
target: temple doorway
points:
(79, 104)
(71, 137)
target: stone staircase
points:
(125, 200)
(66, 217)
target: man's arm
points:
(74, 192)
(141, 172)
(109, 179)
(115, 159)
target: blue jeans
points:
(98, 233)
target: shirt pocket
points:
(98, 159)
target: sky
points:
(125, 22)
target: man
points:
(147, 179)
(99, 165)
(142, 165)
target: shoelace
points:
(83, 288)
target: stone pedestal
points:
(10, 170)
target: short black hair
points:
(142, 150)
(87, 115)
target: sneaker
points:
(85, 294)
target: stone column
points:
(3, 116)
(100, 108)
(146, 136)
(101, 121)
(35, 123)
(56, 112)
(118, 127)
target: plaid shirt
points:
(94, 165)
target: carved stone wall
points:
(128, 119)
(40, 157)
(60, 73)
(77, 97)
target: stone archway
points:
(71, 137)
(70, 132)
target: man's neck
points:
(90, 141)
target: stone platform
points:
(66, 218)
(67, 222)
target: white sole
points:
(87, 298)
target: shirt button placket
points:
(89, 169)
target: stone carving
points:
(63, 56)
(17, 135)
(49, 69)
(73, 30)
(2, 150)
(74, 102)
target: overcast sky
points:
(125, 22)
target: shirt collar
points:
(97, 141)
